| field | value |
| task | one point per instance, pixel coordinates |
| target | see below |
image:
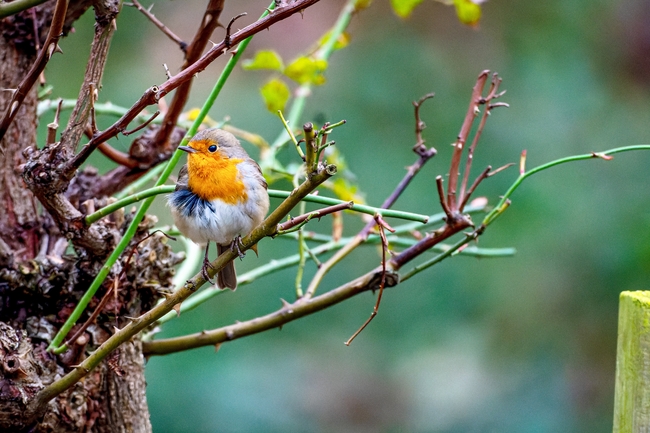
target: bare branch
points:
(153, 116)
(288, 313)
(49, 48)
(383, 225)
(209, 23)
(155, 93)
(104, 30)
(300, 220)
(459, 145)
(156, 22)
(419, 147)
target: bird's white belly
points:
(221, 224)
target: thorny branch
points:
(158, 143)
(155, 93)
(138, 324)
(156, 22)
(383, 276)
(424, 156)
(84, 108)
(382, 225)
(454, 201)
(49, 48)
(48, 172)
(299, 221)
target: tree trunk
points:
(40, 284)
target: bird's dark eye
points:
(212, 148)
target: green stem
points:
(503, 204)
(127, 201)
(323, 53)
(167, 189)
(437, 259)
(141, 182)
(55, 346)
(7, 9)
(356, 207)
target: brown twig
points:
(302, 219)
(487, 101)
(454, 203)
(153, 116)
(419, 124)
(113, 154)
(484, 174)
(459, 145)
(384, 247)
(116, 156)
(153, 94)
(443, 201)
(226, 39)
(54, 126)
(424, 156)
(49, 48)
(209, 23)
(288, 313)
(84, 108)
(156, 22)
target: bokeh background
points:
(521, 344)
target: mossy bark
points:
(632, 395)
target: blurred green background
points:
(522, 344)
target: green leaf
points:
(276, 94)
(305, 70)
(403, 8)
(345, 190)
(361, 4)
(342, 41)
(264, 59)
(468, 12)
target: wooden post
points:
(632, 395)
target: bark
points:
(40, 282)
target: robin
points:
(220, 196)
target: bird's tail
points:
(227, 277)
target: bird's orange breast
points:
(216, 177)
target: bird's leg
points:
(236, 245)
(206, 264)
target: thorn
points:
(254, 248)
(285, 304)
(81, 366)
(177, 308)
(217, 347)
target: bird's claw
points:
(236, 246)
(204, 270)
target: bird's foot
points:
(204, 270)
(236, 246)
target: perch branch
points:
(140, 323)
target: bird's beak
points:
(187, 149)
